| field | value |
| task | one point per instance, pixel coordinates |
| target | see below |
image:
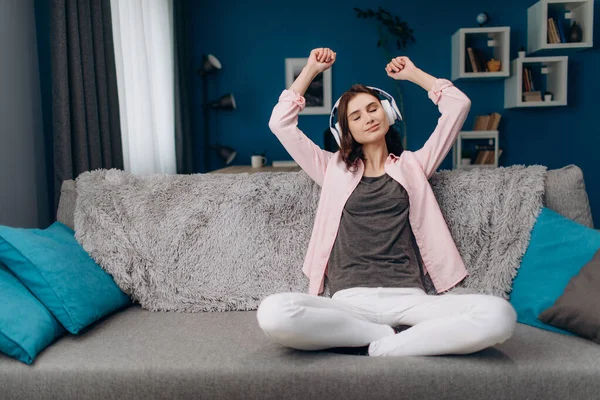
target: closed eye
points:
(357, 118)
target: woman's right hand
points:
(321, 59)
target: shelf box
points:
(457, 148)
(581, 11)
(493, 41)
(555, 81)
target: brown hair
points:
(350, 149)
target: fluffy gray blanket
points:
(202, 242)
(220, 242)
(490, 214)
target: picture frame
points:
(318, 94)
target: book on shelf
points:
(489, 157)
(485, 155)
(527, 80)
(550, 29)
(476, 60)
(480, 123)
(487, 122)
(556, 32)
(532, 96)
(560, 26)
(482, 64)
(481, 154)
(471, 59)
(531, 85)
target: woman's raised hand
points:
(321, 59)
(400, 68)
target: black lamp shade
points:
(210, 64)
(225, 102)
(226, 153)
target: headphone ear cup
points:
(391, 115)
(338, 136)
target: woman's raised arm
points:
(284, 118)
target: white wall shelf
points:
(566, 11)
(494, 41)
(555, 72)
(457, 148)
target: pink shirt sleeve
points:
(454, 106)
(284, 124)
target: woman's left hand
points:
(400, 68)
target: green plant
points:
(399, 31)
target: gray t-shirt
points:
(375, 245)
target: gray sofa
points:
(137, 353)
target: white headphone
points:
(388, 104)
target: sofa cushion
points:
(26, 326)
(566, 194)
(578, 308)
(557, 251)
(59, 272)
(137, 353)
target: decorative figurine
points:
(482, 18)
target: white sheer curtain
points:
(144, 57)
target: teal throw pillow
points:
(26, 325)
(61, 274)
(558, 249)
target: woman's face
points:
(366, 119)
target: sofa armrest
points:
(66, 204)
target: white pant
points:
(442, 324)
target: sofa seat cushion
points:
(137, 353)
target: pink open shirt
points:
(412, 170)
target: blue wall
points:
(252, 41)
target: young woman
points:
(378, 229)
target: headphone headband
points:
(389, 105)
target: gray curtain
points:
(184, 140)
(85, 106)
